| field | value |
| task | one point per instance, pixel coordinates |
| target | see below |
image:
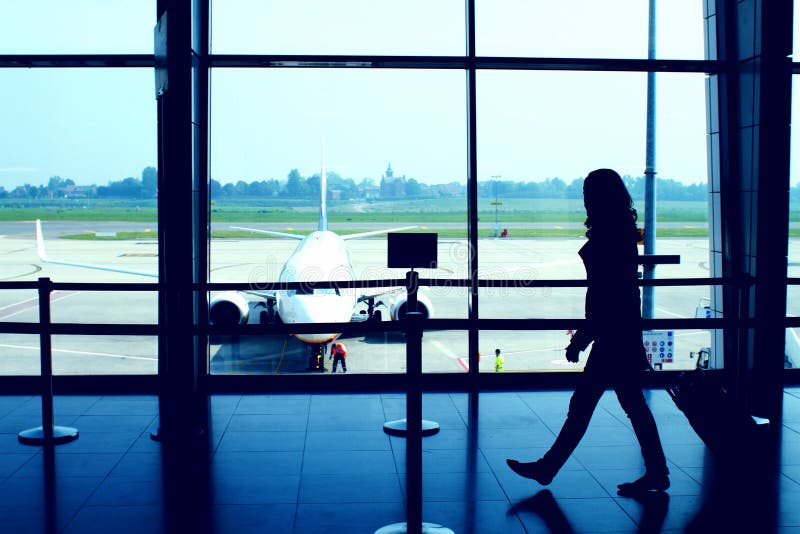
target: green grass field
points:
(426, 213)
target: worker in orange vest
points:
(339, 354)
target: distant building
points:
(392, 186)
(371, 191)
(453, 189)
(78, 191)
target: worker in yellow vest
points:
(498, 361)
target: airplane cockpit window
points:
(326, 291)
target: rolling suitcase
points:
(713, 414)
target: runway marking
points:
(662, 310)
(449, 353)
(67, 351)
(565, 362)
(693, 333)
(442, 347)
(28, 304)
(283, 353)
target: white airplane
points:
(320, 256)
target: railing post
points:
(413, 427)
(48, 433)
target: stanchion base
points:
(400, 427)
(402, 528)
(35, 436)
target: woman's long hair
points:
(609, 206)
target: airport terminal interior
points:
(175, 372)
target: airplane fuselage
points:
(320, 256)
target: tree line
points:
(297, 186)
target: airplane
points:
(320, 256)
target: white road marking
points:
(54, 297)
(34, 299)
(67, 351)
(443, 348)
(662, 310)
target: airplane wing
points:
(43, 257)
(269, 232)
(262, 294)
(371, 292)
(376, 232)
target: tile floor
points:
(322, 464)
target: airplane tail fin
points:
(40, 242)
(323, 187)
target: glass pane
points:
(99, 130)
(445, 351)
(519, 302)
(583, 28)
(370, 353)
(124, 307)
(105, 355)
(522, 350)
(384, 172)
(531, 351)
(78, 27)
(792, 357)
(793, 271)
(540, 126)
(413, 27)
(796, 35)
(540, 133)
(19, 354)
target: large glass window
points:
(793, 271)
(79, 154)
(584, 28)
(77, 27)
(539, 134)
(392, 145)
(413, 27)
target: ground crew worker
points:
(339, 354)
(498, 361)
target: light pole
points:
(496, 204)
(648, 301)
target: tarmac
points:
(254, 260)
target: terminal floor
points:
(322, 464)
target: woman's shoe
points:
(534, 470)
(645, 484)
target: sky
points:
(97, 125)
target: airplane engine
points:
(228, 309)
(399, 307)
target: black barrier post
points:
(405, 250)
(48, 433)
(413, 424)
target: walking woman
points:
(613, 314)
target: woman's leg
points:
(632, 401)
(581, 407)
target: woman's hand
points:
(573, 353)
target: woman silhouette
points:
(613, 314)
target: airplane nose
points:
(316, 309)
